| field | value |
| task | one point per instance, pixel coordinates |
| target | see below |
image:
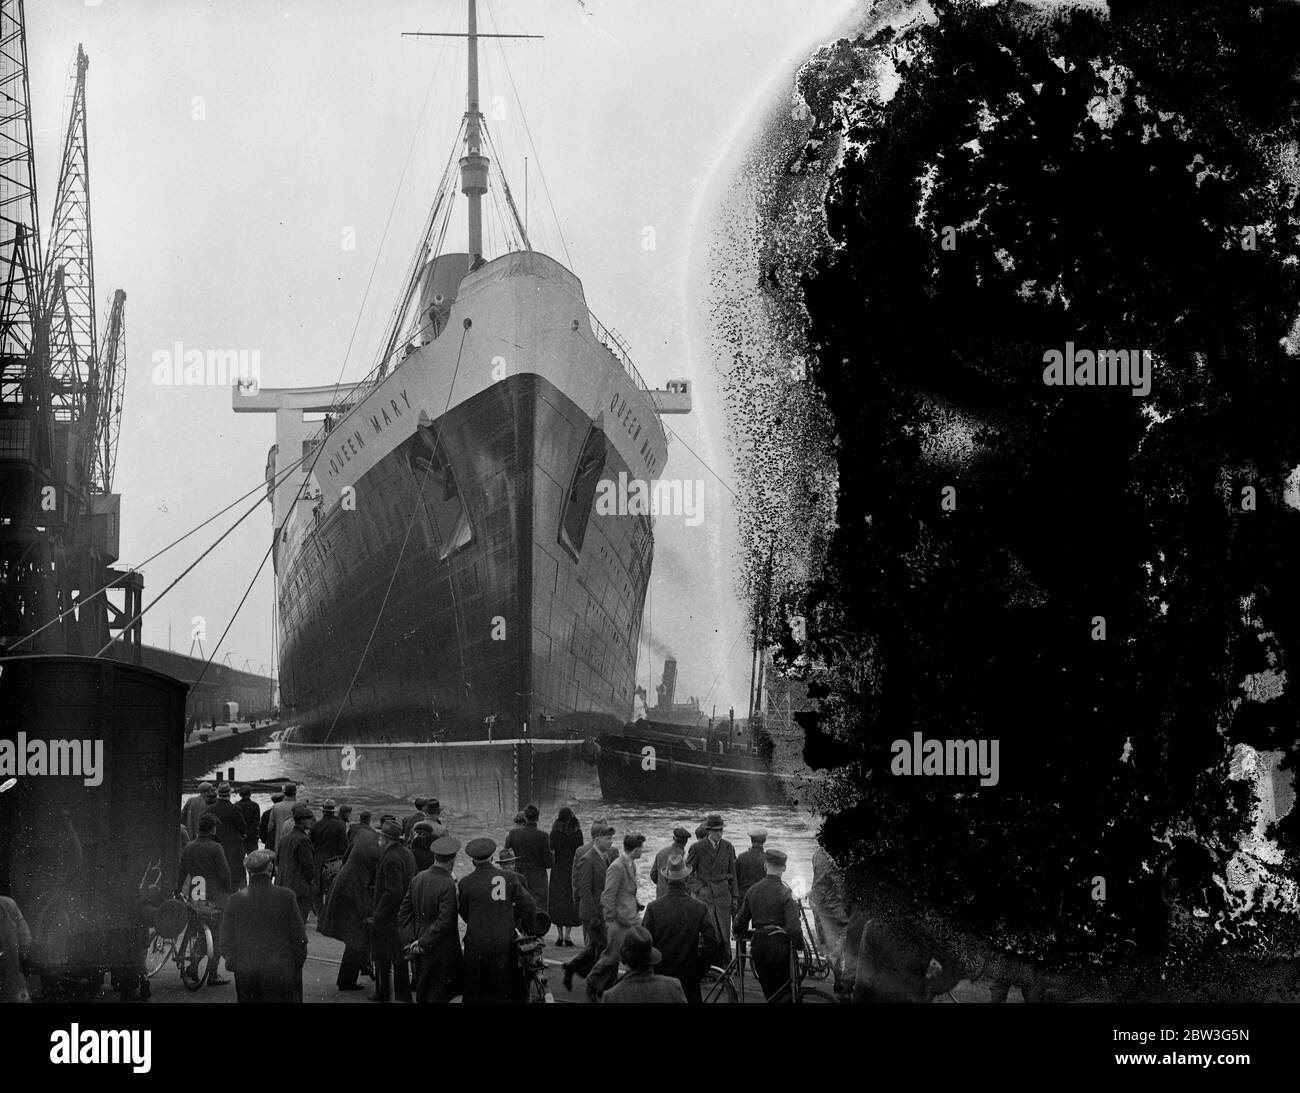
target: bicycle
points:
(719, 984)
(813, 963)
(181, 932)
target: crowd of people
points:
(388, 893)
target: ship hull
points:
(467, 777)
(466, 591)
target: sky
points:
(238, 147)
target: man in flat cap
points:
(393, 877)
(263, 936)
(770, 906)
(295, 862)
(677, 847)
(681, 928)
(713, 878)
(749, 865)
(427, 919)
(589, 870)
(329, 841)
(489, 901)
(230, 833)
(204, 874)
(641, 983)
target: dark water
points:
(789, 829)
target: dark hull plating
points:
(493, 632)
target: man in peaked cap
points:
(263, 937)
(713, 864)
(641, 984)
(490, 898)
(427, 919)
(393, 877)
(770, 906)
(681, 928)
(295, 862)
(678, 846)
(749, 865)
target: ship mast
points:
(474, 165)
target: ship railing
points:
(613, 341)
(366, 385)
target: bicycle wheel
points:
(815, 994)
(195, 956)
(160, 948)
(716, 986)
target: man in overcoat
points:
(295, 862)
(329, 839)
(204, 858)
(589, 869)
(393, 877)
(681, 928)
(713, 880)
(532, 848)
(427, 918)
(263, 936)
(489, 902)
(230, 834)
(350, 905)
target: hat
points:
(223, 790)
(758, 835)
(291, 789)
(638, 949)
(481, 848)
(204, 787)
(676, 869)
(422, 827)
(600, 827)
(446, 847)
(244, 791)
(713, 823)
(507, 858)
(680, 834)
(700, 831)
(302, 812)
(328, 806)
(277, 797)
(774, 857)
(259, 861)
(207, 822)
(391, 829)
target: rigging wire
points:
(410, 524)
(157, 554)
(195, 685)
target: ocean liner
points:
(456, 615)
